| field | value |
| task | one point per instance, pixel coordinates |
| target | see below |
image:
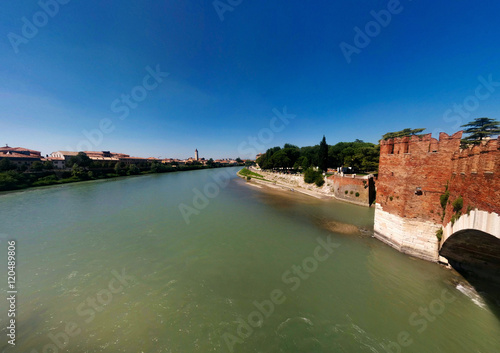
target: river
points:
(146, 264)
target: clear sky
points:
(65, 76)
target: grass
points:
(247, 173)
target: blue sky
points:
(225, 77)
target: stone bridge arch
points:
(472, 245)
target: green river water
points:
(112, 266)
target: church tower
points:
(196, 154)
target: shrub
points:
(455, 218)
(48, 180)
(391, 198)
(352, 192)
(444, 199)
(439, 234)
(319, 181)
(346, 192)
(249, 178)
(357, 194)
(458, 204)
(311, 176)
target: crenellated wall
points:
(475, 177)
(415, 171)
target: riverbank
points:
(269, 180)
(296, 183)
(13, 180)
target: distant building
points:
(20, 156)
(196, 154)
(61, 158)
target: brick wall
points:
(475, 177)
(415, 171)
(364, 188)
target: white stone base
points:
(408, 235)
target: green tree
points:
(133, 169)
(479, 129)
(81, 159)
(280, 159)
(48, 165)
(402, 133)
(120, 168)
(6, 165)
(12, 180)
(37, 166)
(323, 155)
(210, 162)
(78, 172)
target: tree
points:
(210, 162)
(11, 180)
(133, 170)
(37, 166)
(78, 172)
(323, 155)
(6, 165)
(81, 159)
(479, 129)
(120, 168)
(239, 160)
(48, 165)
(402, 133)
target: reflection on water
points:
(185, 286)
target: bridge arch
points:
(471, 245)
(474, 253)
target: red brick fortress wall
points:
(413, 173)
(475, 177)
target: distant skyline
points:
(155, 79)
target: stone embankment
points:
(329, 189)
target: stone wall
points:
(335, 186)
(347, 187)
(408, 235)
(295, 181)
